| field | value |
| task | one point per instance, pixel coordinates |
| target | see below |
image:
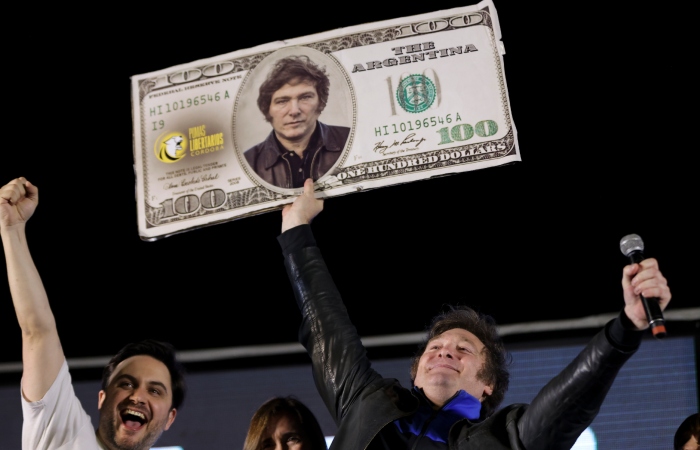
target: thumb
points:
(628, 293)
(309, 187)
(628, 272)
(32, 192)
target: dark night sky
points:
(599, 98)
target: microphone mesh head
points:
(630, 243)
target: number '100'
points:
(464, 131)
(187, 204)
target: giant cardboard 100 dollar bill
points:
(358, 108)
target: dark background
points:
(599, 95)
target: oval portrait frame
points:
(252, 128)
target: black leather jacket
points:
(272, 166)
(362, 402)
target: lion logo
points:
(170, 148)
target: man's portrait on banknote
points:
(305, 108)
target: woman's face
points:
(692, 444)
(284, 433)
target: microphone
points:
(632, 246)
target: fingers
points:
(651, 283)
(14, 191)
(304, 208)
(308, 201)
(646, 270)
(646, 279)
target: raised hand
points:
(646, 279)
(304, 208)
(18, 200)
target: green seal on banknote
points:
(416, 93)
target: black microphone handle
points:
(651, 305)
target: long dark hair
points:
(689, 428)
(280, 405)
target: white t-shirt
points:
(58, 421)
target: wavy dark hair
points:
(163, 352)
(495, 369)
(690, 427)
(280, 405)
(293, 69)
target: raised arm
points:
(571, 400)
(42, 355)
(341, 370)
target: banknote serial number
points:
(413, 125)
(185, 103)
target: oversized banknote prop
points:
(408, 99)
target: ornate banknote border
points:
(390, 167)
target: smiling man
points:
(292, 98)
(142, 386)
(459, 374)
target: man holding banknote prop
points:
(460, 374)
(142, 386)
(292, 98)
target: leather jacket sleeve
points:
(570, 401)
(557, 416)
(341, 369)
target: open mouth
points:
(133, 420)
